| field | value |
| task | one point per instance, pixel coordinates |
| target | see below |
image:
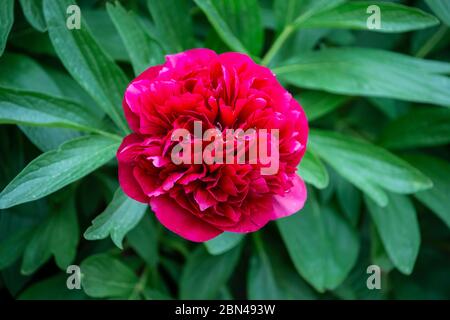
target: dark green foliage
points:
(377, 165)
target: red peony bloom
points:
(199, 201)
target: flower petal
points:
(180, 221)
(292, 201)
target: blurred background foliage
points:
(377, 164)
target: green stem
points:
(176, 246)
(140, 285)
(281, 39)
(258, 243)
(107, 134)
(432, 42)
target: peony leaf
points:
(30, 108)
(349, 199)
(220, 25)
(85, 60)
(71, 90)
(22, 72)
(239, 19)
(55, 169)
(143, 51)
(398, 229)
(321, 244)
(318, 103)
(441, 8)
(271, 275)
(17, 224)
(6, 21)
(204, 275)
(32, 10)
(121, 215)
(424, 127)
(144, 240)
(437, 198)
(52, 288)
(312, 170)
(105, 33)
(173, 23)
(12, 248)
(57, 235)
(353, 15)
(368, 167)
(391, 108)
(224, 242)
(370, 72)
(104, 276)
(292, 12)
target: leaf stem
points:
(258, 243)
(432, 42)
(107, 134)
(140, 285)
(281, 39)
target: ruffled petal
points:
(180, 221)
(292, 201)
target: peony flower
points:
(199, 201)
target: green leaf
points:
(219, 23)
(57, 236)
(224, 242)
(289, 14)
(144, 240)
(55, 169)
(173, 23)
(21, 72)
(322, 245)
(349, 199)
(105, 33)
(32, 9)
(103, 276)
(441, 8)
(424, 127)
(301, 41)
(285, 12)
(368, 167)
(369, 72)
(30, 108)
(12, 248)
(85, 60)
(151, 294)
(437, 198)
(6, 21)
(293, 12)
(53, 288)
(353, 15)
(378, 254)
(317, 103)
(243, 19)
(271, 275)
(312, 170)
(143, 51)
(71, 90)
(121, 215)
(390, 107)
(398, 229)
(204, 275)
